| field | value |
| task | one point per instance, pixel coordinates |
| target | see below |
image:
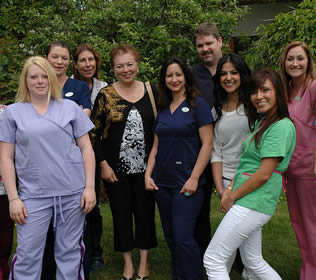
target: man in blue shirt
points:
(208, 44)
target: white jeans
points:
(241, 227)
(231, 259)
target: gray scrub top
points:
(48, 161)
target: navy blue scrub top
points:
(179, 143)
(78, 91)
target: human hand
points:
(107, 173)
(88, 199)
(150, 184)
(190, 186)
(17, 211)
(226, 201)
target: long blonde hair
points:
(310, 71)
(54, 89)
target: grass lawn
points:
(279, 247)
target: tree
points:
(158, 28)
(297, 25)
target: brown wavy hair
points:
(81, 48)
(310, 71)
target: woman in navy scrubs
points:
(181, 150)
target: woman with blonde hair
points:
(45, 142)
(299, 78)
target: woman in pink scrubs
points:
(299, 78)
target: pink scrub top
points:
(301, 113)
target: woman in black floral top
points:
(123, 119)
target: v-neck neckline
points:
(47, 111)
(176, 109)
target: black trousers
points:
(93, 230)
(92, 239)
(130, 203)
(202, 232)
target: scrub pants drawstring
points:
(60, 210)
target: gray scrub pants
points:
(68, 226)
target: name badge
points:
(69, 94)
(178, 162)
(185, 109)
(297, 98)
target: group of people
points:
(215, 122)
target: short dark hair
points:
(245, 74)
(85, 47)
(256, 82)
(165, 95)
(206, 29)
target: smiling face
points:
(86, 65)
(209, 48)
(59, 58)
(175, 79)
(230, 78)
(264, 99)
(296, 63)
(37, 82)
(125, 67)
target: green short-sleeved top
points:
(277, 141)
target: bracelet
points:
(13, 199)
(230, 188)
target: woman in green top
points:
(252, 197)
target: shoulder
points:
(98, 84)
(107, 90)
(241, 110)
(73, 85)
(17, 107)
(108, 93)
(201, 103)
(17, 111)
(65, 102)
(285, 122)
(203, 109)
(311, 88)
(197, 67)
(281, 128)
(312, 85)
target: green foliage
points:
(158, 28)
(297, 25)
